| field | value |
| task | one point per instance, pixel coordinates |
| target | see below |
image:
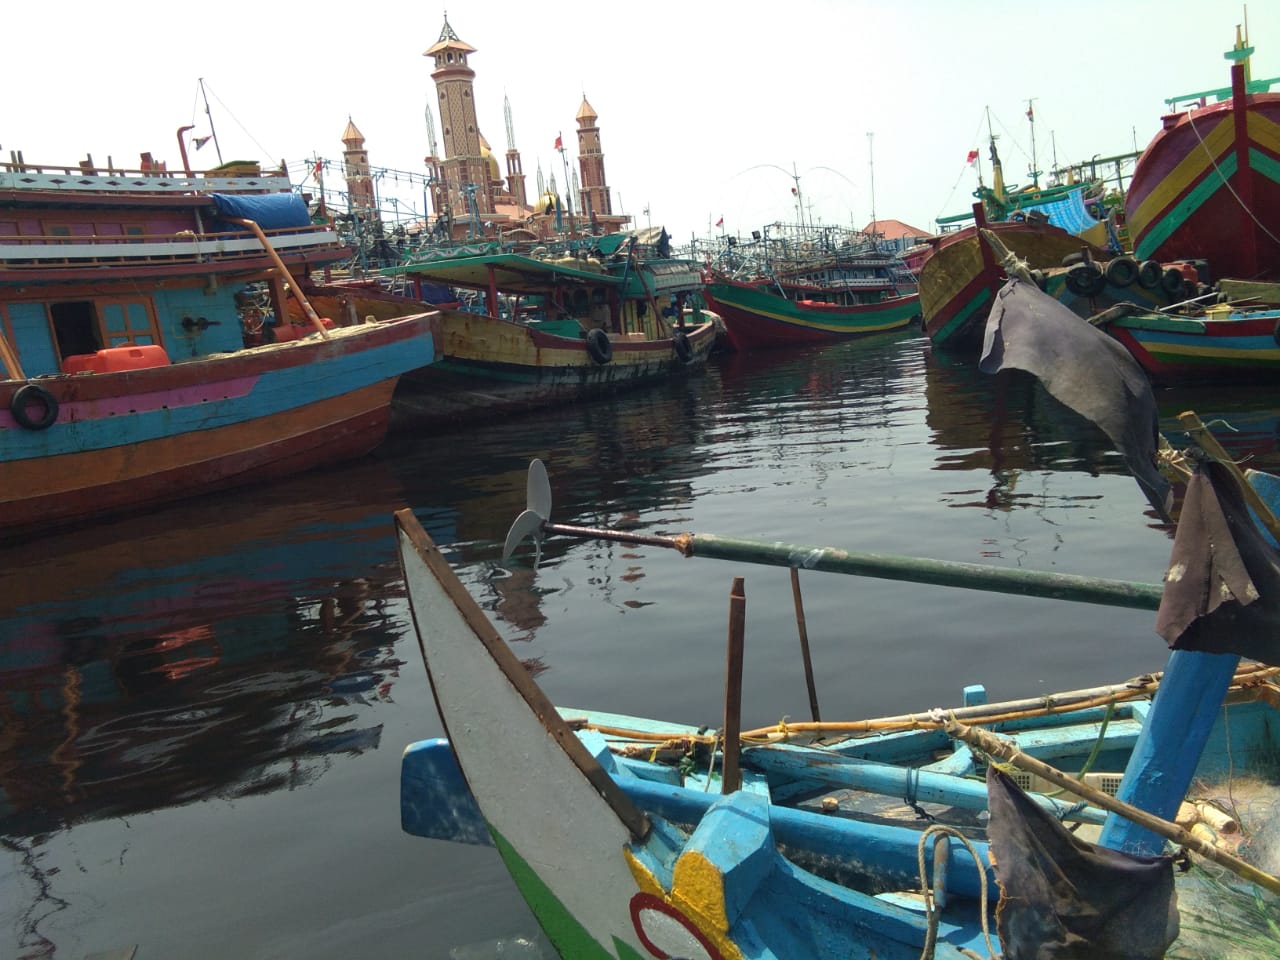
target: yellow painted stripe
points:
(1191, 169)
(1261, 131)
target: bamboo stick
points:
(1209, 443)
(804, 645)
(9, 357)
(1005, 750)
(1250, 683)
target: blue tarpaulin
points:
(271, 211)
(1069, 213)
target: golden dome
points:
(495, 172)
(547, 203)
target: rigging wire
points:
(977, 136)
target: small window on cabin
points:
(75, 327)
(59, 231)
(134, 232)
(126, 322)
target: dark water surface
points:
(202, 710)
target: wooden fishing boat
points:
(127, 300)
(1217, 345)
(535, 330)
(959, 280)
(1208, 184)
(655, 839)
(758, 315)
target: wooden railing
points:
(86, 177)
(42, 252)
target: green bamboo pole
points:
(883, 566)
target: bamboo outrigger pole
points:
(1003, 749)
(947, 573)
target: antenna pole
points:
(212, 132)
(871, 137)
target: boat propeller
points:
(533, 522)
(537, 510)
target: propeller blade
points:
(529, 523)
(538, 490)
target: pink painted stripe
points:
(80, 410)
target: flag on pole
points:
(1031, 114)
(720, 222)
(316, 171)
(972, 157)
(200, 141)
(559, 142)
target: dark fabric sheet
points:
(1064, 899)
(1222, 589)
(1083, 368)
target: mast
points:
(1031, 118)
(872, 164)
(799, 196)
(207, 113)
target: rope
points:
(926, 891)
(1216, 169)
(912, 798)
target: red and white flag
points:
(720, 222)
(559, 142)
(972, 158)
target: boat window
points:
(75, 327)
(127, 322)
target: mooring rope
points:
(926, 891)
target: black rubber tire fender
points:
(1173, 283)
(1086, 280)
(28, 394)
(1122, 271)
(599, 346)
(680, 342)
(1150, 274)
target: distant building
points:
(355, 167)
(894, 236)
(470, 197)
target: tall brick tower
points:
(355, 167)
(593, 197)
(464, 169)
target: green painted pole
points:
(947, 573)
(883, 566)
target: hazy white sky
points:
(705, 109)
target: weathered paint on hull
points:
(1186, 198)
(958, 283)
(755, 319)
(1174, 351)
(127, 440)
(490, 368)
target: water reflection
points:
(255, 646)
(147, 664)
